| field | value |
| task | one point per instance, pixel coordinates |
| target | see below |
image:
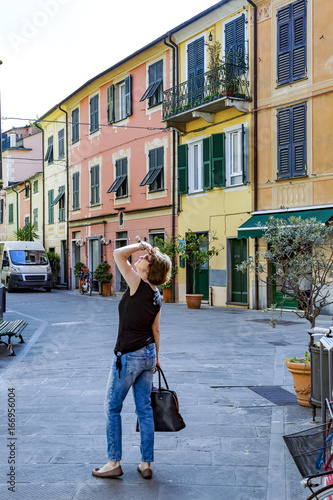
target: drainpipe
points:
(43, 181)
(17, 207)
(255, 137)
(174, 48)
(67, 199)
(30, 194)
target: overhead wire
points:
(34, 120)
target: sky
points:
(49, 48)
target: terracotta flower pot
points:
(301, 373)
(193, 300)
(106, 289)
(167, 294)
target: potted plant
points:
(302, 253)
(300, 368)
(169, 246)
(167, 292)
(77, 272)
(54, 259)
(214, 76)
(103, 276)
(196, 250)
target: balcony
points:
(206, 94)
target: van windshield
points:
(28, 257)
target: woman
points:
(136, 353)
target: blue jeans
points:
(137, 370)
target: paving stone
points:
(224, 452)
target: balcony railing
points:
(227, 80)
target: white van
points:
(24, 264)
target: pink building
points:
(120, 159)
(21, 160)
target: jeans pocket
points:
(135, 364)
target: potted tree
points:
(103, 276)
(170, 248)
(54, 259)
(196, 250)
(77, 272)
(302, 252)
(300, 368)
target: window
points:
(291, 42)
(75, 126)
(94, 114)
(196, 69)
(76, 191)
(49, 152)
(291, 125)
(1, 211)
(155, 177)
(61, 203)
(94, 185)
(120, 100)
(156, 235)
(10, 213)
(35, 216)
(195, 167)
(201, 164)
(26, 221)
(61, 143)
(154, 92)
(27, 191)
(235, 43)
(61, 200)
(50, 206)
(120, 183)
(236, 155)
(35, 187)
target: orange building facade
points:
(295, 102)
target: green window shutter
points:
(182, 169)
(128, 95)
(11, 213)
(35, 220)
(207, 164)
(110, 95)
(218, 160)
(51, 208)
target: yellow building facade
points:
(55, 186)
(210, 108)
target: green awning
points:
(250, 228)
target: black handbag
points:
(165, 407)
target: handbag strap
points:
(160, 371)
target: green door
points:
(201, 278)
(279, 297)
(238, 280)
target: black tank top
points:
(137, 314)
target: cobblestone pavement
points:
(219, 360)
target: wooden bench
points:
(12, 329)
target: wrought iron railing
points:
(225, 80)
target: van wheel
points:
(9, 287)
(48, 289)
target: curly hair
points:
(159, 271)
